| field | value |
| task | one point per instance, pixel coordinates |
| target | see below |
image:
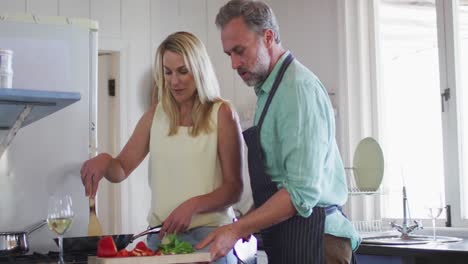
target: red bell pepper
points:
(106, 247)
(142, 246)
(141, 250)
(123, 253)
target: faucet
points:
(405, 228)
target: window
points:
(463, 94)
(410, 128)
(421, 131)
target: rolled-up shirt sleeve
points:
(304, 133)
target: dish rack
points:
(367, 226)
(353, 188)
(370, 226)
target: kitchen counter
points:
(456, 252)
(75, 259)
(50, 257)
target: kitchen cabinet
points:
(19, 107)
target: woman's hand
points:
(92, 172)
(179, 219)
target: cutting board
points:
(167, 259)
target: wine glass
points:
(434, 207)
(60, 217)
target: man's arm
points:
(275, 210)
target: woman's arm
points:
(134, 151)
(117, 169)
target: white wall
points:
(136, 27)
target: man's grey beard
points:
(260, 71)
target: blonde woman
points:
(194, 141)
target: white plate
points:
(368, 165)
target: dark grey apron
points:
(297, 240)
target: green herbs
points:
(172, 245)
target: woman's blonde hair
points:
(197, 60)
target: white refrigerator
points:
(49, 54)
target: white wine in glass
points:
(59, 225)
(59, 218)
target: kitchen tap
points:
(405, 228)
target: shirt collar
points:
(267, 84)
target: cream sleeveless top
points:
(181, 167)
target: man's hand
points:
(222, 240)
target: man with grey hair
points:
(296, 172)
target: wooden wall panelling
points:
(135, 85)
(168, 17)
(192, 17)
(311, 36)
(12, 6)
(136, 32)
(42, 7)
(221, 61)
(164, 20)
(108, 14)
(74, 8)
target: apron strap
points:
(274, 87)
(273, 90)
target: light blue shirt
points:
(298, 139)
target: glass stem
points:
(60, 237)
(433, 230)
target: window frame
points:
(359, 96)
(447, 24)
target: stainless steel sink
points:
(407, 240)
